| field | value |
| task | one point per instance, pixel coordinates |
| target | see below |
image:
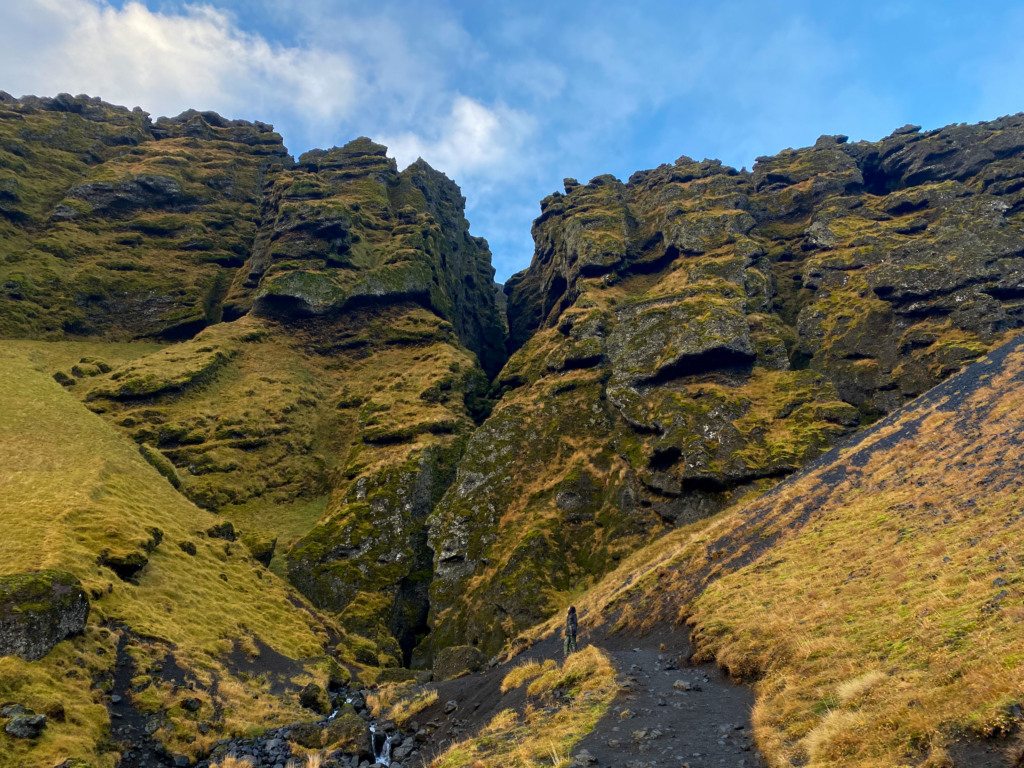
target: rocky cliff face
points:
(115, 227)
(334, 322)
(698, 332)
(313, 349)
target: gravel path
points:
(670, 714)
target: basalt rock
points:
(38, 610)
(126, 228)
(344, 229)
(696, 333)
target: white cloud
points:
(167, 62)
(470, 140)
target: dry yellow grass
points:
(543, 735)
(525, 670)
(889, 622)
(405, 709)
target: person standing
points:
(571, 628)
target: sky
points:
(509, 98)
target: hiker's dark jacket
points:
(571, 625)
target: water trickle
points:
(383, 754)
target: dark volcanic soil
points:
(702, 728)
(654, 723)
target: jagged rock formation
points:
(313, 349)
(116, 227)
(698, 332)
(335, 325)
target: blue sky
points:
(509, 98)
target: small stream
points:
(381, 753)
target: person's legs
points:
(565, 645)
(571, 644)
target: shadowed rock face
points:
(38, 610)
(698, 332)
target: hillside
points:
(872, 600)
(698, 333)
(79, 498)
(704, 400)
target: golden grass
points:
(405, 709)
(543, 736)
(70, 487)
(525, 670)
(878, 629)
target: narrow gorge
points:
(272, 408)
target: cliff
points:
(697, 333)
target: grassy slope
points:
(71, 487)
(862, 594)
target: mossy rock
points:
(39, 610)
(350, 734)
(315, 698)
(261, 547)
(397, 675)
(308, 735)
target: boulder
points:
(306, 735)
(397, 675)
(26, 726)
(349, 733)
(315, 698)
(458, 660)
(38, 610)
(224, 531)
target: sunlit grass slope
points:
(889, 623)
(545, 733)
(72, 487)
(874, 600)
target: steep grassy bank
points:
(873, 600)
(76, 495)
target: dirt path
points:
(706, 726)
(670, 713)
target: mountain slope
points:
(78, 497)
(698, 333)
(873, 600)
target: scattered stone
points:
(12, 710)
(225, 531)
(450, 707)
(39, 610)
(583, 757)
(191, 705)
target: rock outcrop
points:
(696, 333)
(319, 346)
(336, 325)
(124, 228)
(38, 610)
